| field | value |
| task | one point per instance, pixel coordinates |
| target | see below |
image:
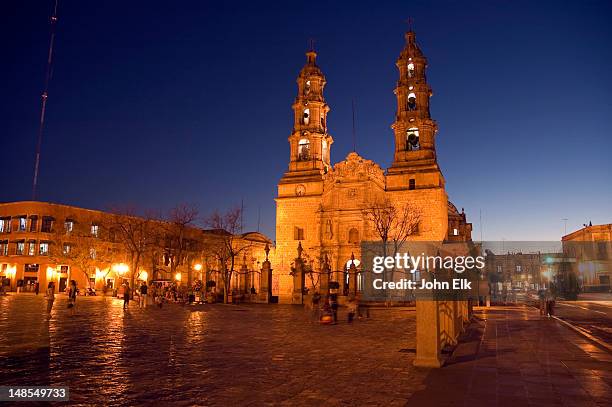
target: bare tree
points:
(393, 224)
(227, 245)
(176, 240)
(136, 234)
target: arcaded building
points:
(321, 205)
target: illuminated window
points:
(22, 223)
(410, 69)
(43, 248)
(4, 247)
(412, 101)
(92, 253)
(304, 150)
(306, 116)
(518, 268)
(31, 247)
(499, 268)
(455, 232)
(412, 139)
(68, 225)
(94, 230)
(307, 88)
(20, 248)
(324, 149)
(5, 225)
(66, 249)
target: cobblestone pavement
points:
(207, 355)
(225, 355)
(513, 357)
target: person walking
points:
(36, 287)
(126, 295)
(352, 309)
(316, 309)
(72, 293)
(334, 307)
(143, 295)
(50, 296)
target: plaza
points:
(277, 355)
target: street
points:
(592, 313)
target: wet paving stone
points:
(206, 354)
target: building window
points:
(412, 139)
(69, 225)
(94, 230)
(5, 225)
(92, 253)
(4, 248)
(33, 223)
(518, 268)
(23, 222)
(47, 224)
(66, 249)
(304, 150)
(43, 249)
(455, 232)
(32, 248)
(411, 183)
(31, 268)
(306, 117)
(412, 101)
(298, 233)
(307, 88)
(499, 268)
(20, 248)
(353, 236)
(410, 70)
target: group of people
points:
(547, 303)
(325, 310)
(157, 292)
(72, 291)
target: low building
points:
(42, 242)
(591, 247)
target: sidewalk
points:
(513, 357)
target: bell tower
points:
(309, 142)
(414, 160)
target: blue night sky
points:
(156, 103)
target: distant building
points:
(524, 271)
(43, 242)
(591, 247)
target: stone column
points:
(428, 343)
(298, 278)
(325, 275)
(265, 279)
(352, 279)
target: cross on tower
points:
(409, 21)
(311, 43)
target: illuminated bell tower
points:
(309, 142)
(414, 161)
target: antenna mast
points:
(44, 101)
(354, 136)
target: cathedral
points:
(320, 206)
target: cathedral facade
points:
(321, 207)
